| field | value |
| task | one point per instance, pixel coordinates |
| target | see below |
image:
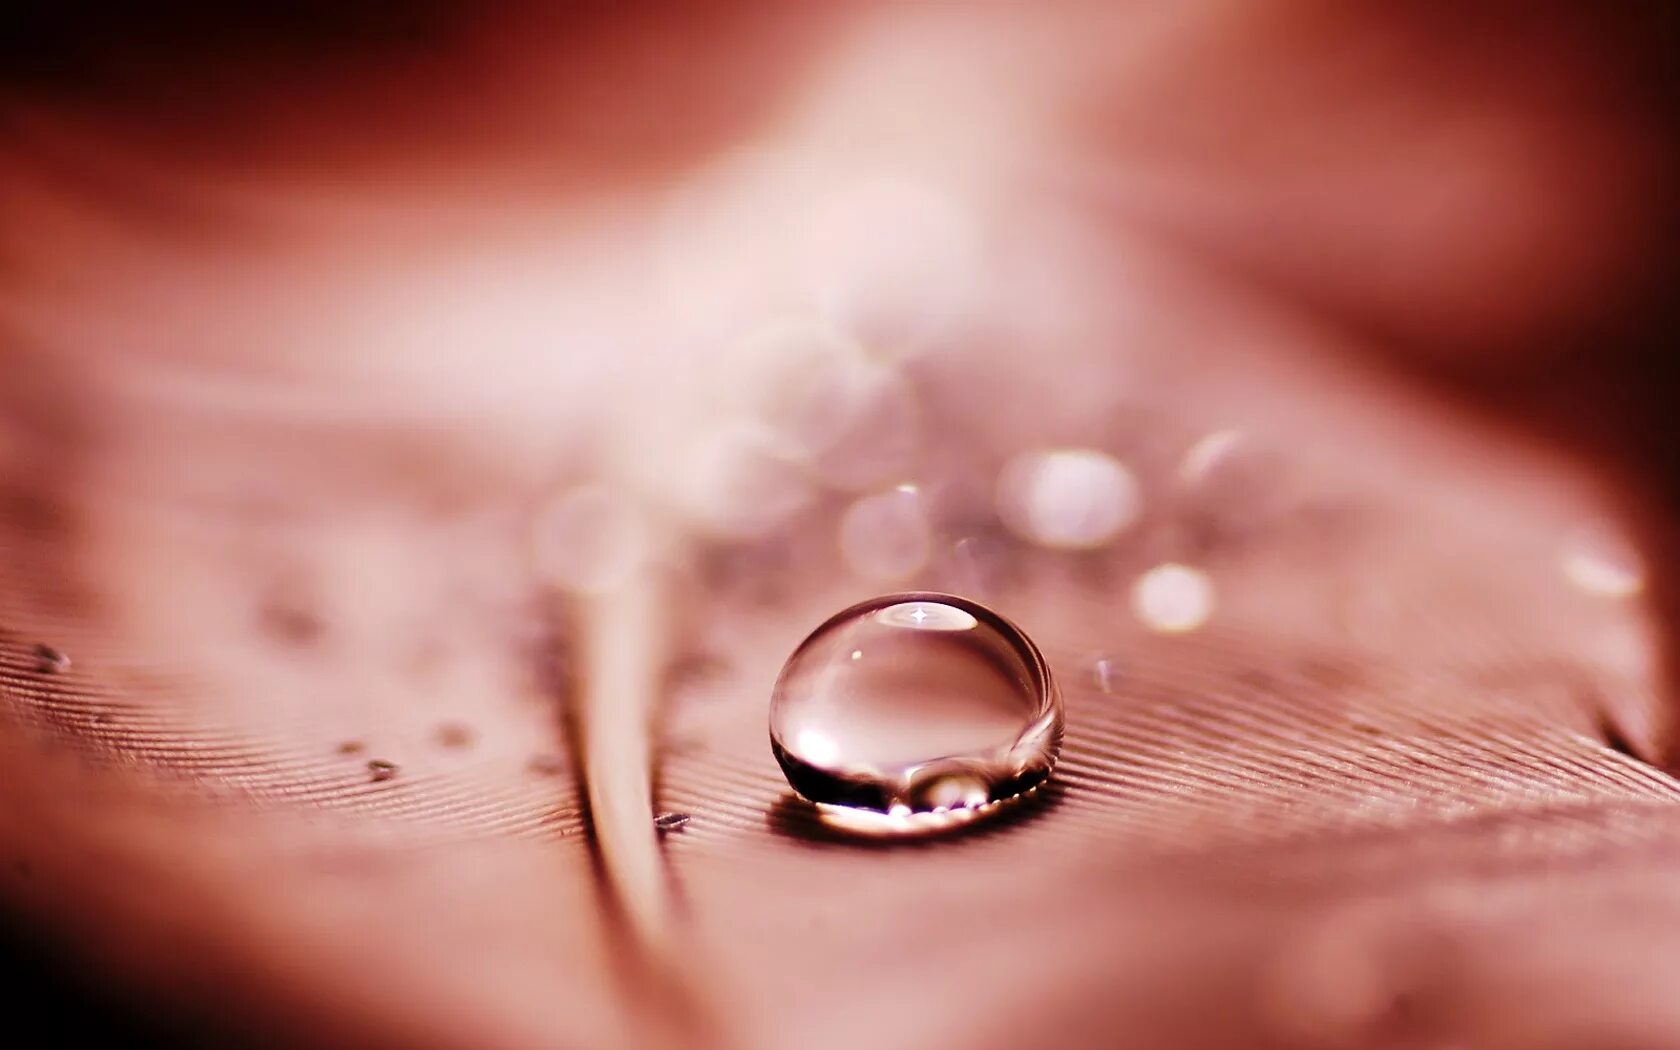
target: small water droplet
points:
(380, 770)
(50, 661)
(671, 821)
(1103, 674)
(948, 711)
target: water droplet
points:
(1173, 599)
(50, 661)
(1068, 499)
(352, 747)
(1231, 487)
(912, 712)
(671, 822)
(380, 770)
(1103, 674)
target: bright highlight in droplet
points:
(926, 616)
(817, 746)
(1172, 598)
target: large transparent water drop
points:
(913, 712)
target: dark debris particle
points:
(1334, 676)
(1616, 740)
(380, 770)
(50, 661)
(546, 765)
(671, 821)
(352, 747)
(454, 735)
(691, 674)
(291, 624)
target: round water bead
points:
(913, 712)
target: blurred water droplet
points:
(1173, 599)
(1354, 977)
(1210, 457)
(589, 539)
(913, 712)
(1230, 487)
(893, 260)
(1070, 499)
(886, 536)
(851, 419)
(351, 747)
(742, 480)
(381, 770)
(1602, 564)
(976, 565)
(666, 822)
(50, 661)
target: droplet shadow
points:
(792, 817)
